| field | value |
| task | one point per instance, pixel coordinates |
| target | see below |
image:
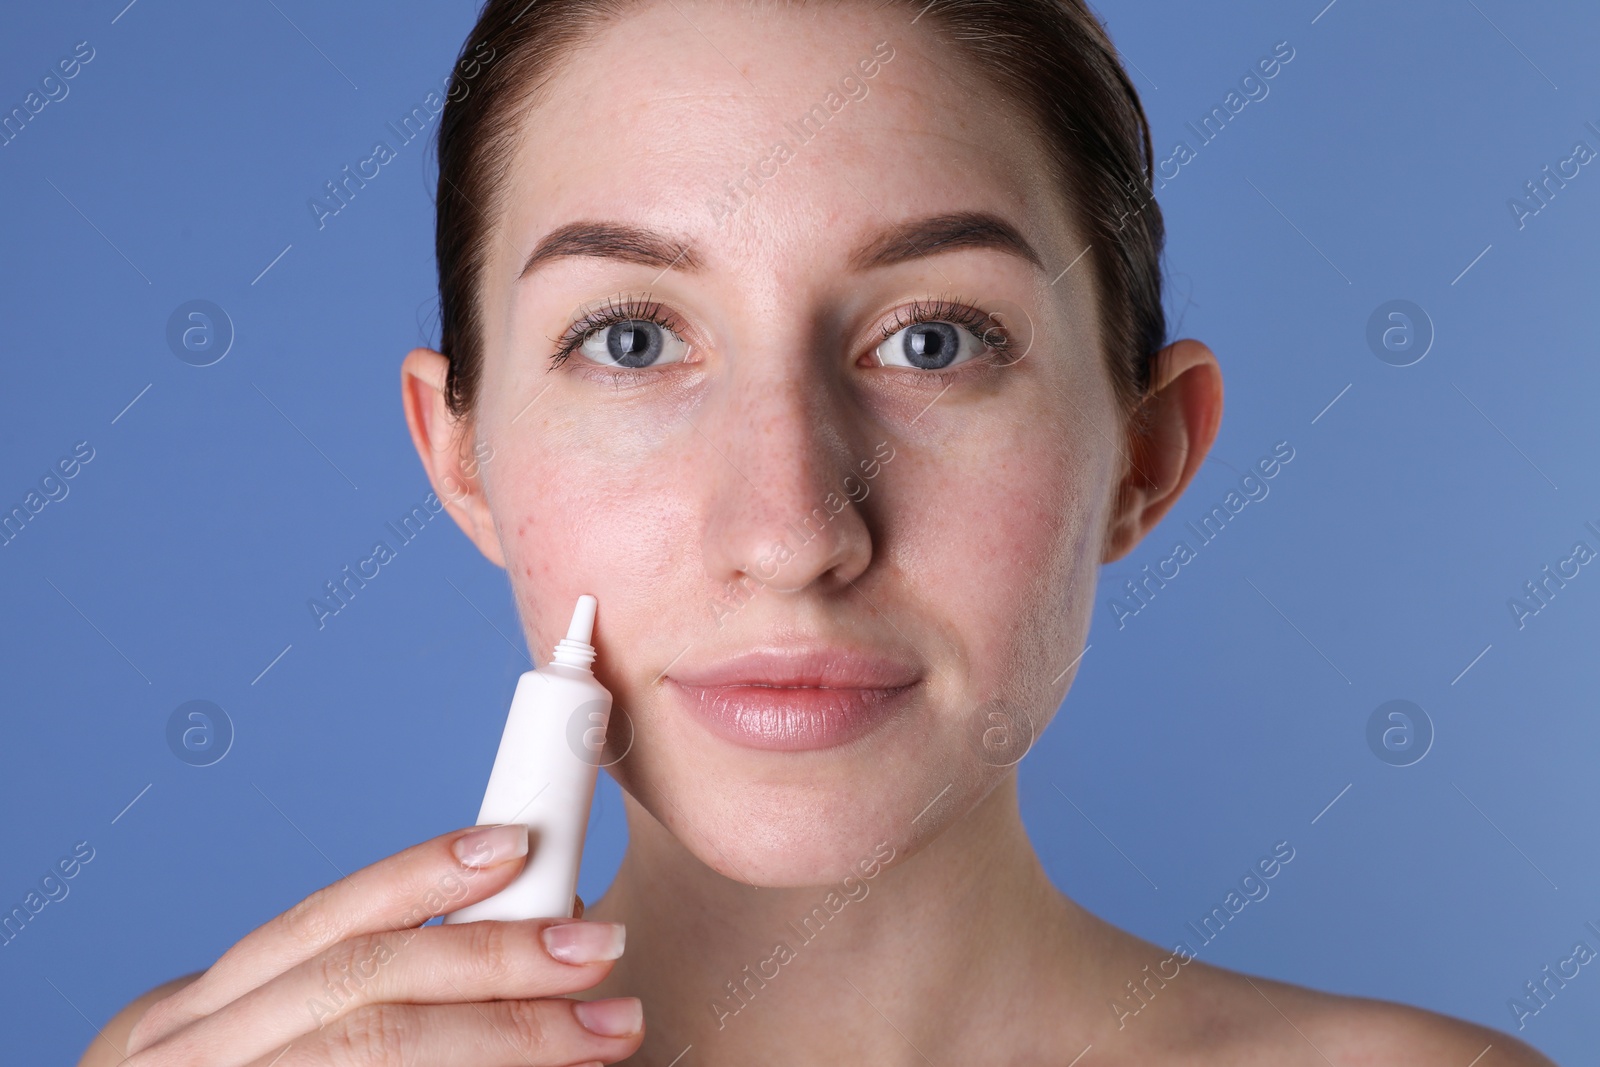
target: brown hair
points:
(1051, 57)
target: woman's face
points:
(892, 544)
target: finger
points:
(525, 1033)
(577, 906)
(398, 892)
(479, 961)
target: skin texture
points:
(973, 557)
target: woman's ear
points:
(444, 442)
(1167, 441)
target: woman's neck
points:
(944, 951)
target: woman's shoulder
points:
(1243, 1020)
(110, 1040)
(1171, 1008)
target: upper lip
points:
(800, 665)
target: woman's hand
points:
(349, 976)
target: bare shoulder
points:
(1289, 1023)
(1380, 1033)
(1177, 1009)
(105, 1050)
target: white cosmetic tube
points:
(544, 776)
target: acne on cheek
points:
(992, 542)
(531, 552)
(583, 522)
(997, 521)
(523, 491)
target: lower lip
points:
(791, 719)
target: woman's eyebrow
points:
(894, 243)
(897, 243)
(611, 240)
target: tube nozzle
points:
(575, 650)
(582, 627)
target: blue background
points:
(1222, 718)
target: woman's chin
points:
(778, 817)
(777, 836)
(794, 857)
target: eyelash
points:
(953, 310)
(958, 312)
(616, 310)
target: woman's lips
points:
(791, 718)
(794, 700)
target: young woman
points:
(823, 343)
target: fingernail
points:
(617, 1017)
(489, 845)
(584, 942)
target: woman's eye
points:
(929, 346)
(633, 343)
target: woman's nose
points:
(787, 502)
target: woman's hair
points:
(1050, 57)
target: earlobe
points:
(1167, 443)
(444, 443)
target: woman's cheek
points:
(999, 544)
(608, 529)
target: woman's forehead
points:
(763, 136)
